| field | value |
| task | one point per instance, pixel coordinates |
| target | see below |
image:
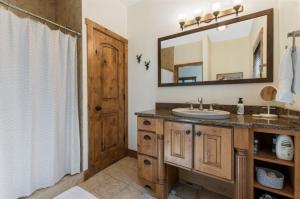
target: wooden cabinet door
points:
(213, 151)
(178, 144)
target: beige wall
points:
(188, 53)
(230, 56)
(289, 19)
(68, 13)
(44, 8)
(206, 58)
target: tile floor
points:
(120, 181)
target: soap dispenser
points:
(240, 107)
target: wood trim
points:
(250, 167)
(259, 41)
(241, 138)
(241, 174)
(132, 153)
(104, 30)
(274, 131)
(90, 46)
(270, 48)
(188, 64)
(184, 65)
(297, 166)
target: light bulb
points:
(198, 12)
(237, 2)
(181, 17)
(216, 7)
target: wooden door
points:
(213, 152)
(107, 91)
(178, 144)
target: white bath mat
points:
(75, 193)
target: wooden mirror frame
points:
(270, 50)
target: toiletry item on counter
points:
(269, 178)
(256, 146)
(285, 147)
(240, 107)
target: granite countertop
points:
(244, 121)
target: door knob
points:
(199, 133)
(188, 132)
(98, 108)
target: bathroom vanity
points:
(218, 149)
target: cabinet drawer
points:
(147, 168)
(147, 184)
(146, 124)
(147, 143)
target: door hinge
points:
(124, 139)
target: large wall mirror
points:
(238, 50)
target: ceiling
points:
(129, 2)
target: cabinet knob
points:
(147, 123)
(147, 187)
(199, 133)
(147, 162)
(147, 137)
(188, 132)
(98, 108)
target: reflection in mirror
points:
(235, 51)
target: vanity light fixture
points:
(237, 6)
(216, 7)
(198, 15)
(217, 13)
(182, 20)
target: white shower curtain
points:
(39, 125)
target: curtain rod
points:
(39, 17)
(294, 34)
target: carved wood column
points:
(161, 169)
(160, 156)
(241, 174)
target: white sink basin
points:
(201, 114)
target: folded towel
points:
(285, 77)
(75, 193)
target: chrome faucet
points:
(211, 107)
(200, 100)
(191, 105)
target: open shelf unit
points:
(287, 191)
(268, 156)
(267, 159)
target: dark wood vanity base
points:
(219, 149)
